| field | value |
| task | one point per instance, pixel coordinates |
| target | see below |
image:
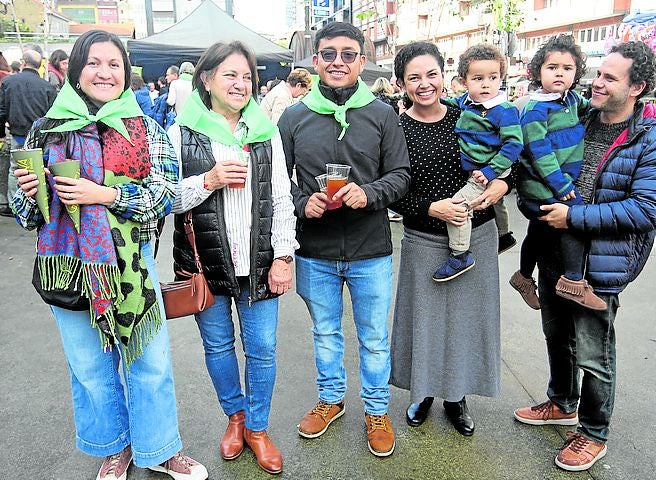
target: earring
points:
(77, 85)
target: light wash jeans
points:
(258, 323)
(108, 415)
(320, 285)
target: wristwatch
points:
(286, 258)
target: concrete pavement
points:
(38, 438)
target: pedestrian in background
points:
(127, 181)
(141, 93)
(244, 225)
(445, 337)
(57, 69)
(350, 244)
(180, 87)
(5, 211)
(618, 216)
(284, 94)
(383, 91)
(24, 97)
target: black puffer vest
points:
(209, 222)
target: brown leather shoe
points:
(581, 292)
(526, 288)
(579, 453)
(232, 443)
(317, 420)
(268, 456)
(380, 436)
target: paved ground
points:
(38, 433)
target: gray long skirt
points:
(446, 336)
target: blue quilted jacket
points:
(621, 220)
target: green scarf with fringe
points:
(316, 102)
(196, 116)
(69, 106)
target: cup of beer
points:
(323, 187)
(337, 178)
(242, 156)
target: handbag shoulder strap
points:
(191, 238)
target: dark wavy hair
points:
(411, 51)
(643, 68)
(214, 56)
(339, 29)
(482, 51)
(558, 43)
(56, 58)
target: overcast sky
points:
(262, 16)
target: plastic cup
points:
(323, 187)
(337, 176)
(32, 161)
(243, 157)
(69, 169)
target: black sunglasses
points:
(348, 56)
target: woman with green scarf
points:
(235, 183)
(95, 265)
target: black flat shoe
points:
(458, 415)
(416, 413)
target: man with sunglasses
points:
(340, 121)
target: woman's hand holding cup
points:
(227, 172)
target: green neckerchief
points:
(316, 102)
(185, 76)
(70, 106)
(196, 116)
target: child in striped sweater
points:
(490, 141)
(553, 155)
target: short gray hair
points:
(187, 67)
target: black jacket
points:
(209, 223)
(374, 146)
(24, 98)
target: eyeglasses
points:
(348, 56)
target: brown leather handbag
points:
(191, 295)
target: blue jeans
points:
(109, 416)
(320, 285)
(580, 338)
(258, 323)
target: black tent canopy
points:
(369, 74)
(188, 39)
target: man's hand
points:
(352, 195)
(556, 216)
(280, 277)
(316, 205)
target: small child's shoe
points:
(455, 265)
(526, 288)
(581, 292)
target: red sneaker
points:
(115, 467)
(547, 413)
(579, 453)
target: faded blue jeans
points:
(580, 338)
(258, 324)
(320, 285)
(106, 419)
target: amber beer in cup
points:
(243, 157)
(322, 180)
(336, 179)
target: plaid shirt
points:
(144, 203)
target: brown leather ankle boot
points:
(268, 456)
(581, 292)
(232, 443)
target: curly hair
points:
(558, 43)
(482, 51)
(643, 68)
(409, 52)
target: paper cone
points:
(32, 161)
(69, 169)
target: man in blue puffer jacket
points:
(618, 184)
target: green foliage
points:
(507, 13)
(365, 14)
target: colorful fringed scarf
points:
(113, 274)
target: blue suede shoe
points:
(455, 265)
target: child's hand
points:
(570, 196)
(479, 177)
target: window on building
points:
(422, 22)
(602, 33)
(588, 35)
(595, 35)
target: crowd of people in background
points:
(241, 161)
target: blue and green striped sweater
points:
(553, 149)
(489, 135)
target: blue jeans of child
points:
(320, 284)
(108, 415)
(258, 323)
(580, 338)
